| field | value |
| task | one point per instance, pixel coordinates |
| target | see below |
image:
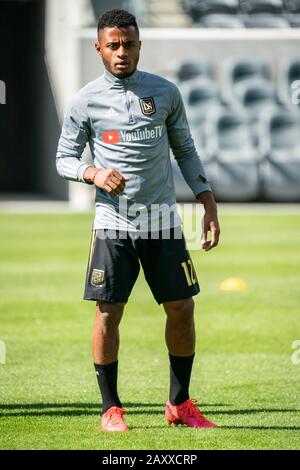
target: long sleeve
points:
(72, 142)
(183, 147)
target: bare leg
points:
(180, 327)
(106, 337)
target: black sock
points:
(107, 376)
(180, 374)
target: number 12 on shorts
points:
(189, 272)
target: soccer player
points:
(131, 119)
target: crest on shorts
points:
(97, 278)
(147, 106)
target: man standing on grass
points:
(131, 119)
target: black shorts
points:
(114, 265)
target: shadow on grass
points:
(92, 409)
(78, 409)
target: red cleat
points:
(187, 413)
(113, 420)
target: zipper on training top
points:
(128, 104)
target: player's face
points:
(119, 49)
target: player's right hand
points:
(111, 180)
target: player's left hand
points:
(210, 222)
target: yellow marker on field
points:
(233, 283)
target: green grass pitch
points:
(243, 376)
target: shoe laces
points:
(115, 413)
(192, 409)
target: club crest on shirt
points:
(147, 106)
(97, 278)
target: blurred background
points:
(236, 62)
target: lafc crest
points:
(147, 106)
(97, 278)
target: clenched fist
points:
(110, 180)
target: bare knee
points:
(108, 314)
(106, 332)
(180, 311)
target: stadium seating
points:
(190, 69)
(294, 20)
(200, 95)
(215, 20)
(289, 74)
(261, 6)
(99, 7)
(198, 8)
(261, 20)
(229, 139)
(237, 71)
(254, 96)
(292, 6)
(280, 143)
(243, 13)
(244, 69)
(246, 136)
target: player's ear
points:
(98, 48)
(140, 44)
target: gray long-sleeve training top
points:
(130, 125)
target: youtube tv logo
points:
(111, 137)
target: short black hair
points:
(117, 19)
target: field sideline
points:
(243, 377)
